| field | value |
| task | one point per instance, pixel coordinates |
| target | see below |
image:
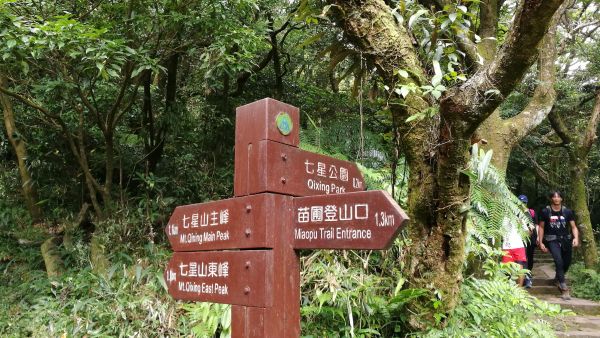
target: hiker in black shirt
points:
(558, 234)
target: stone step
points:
(544, 271)
(544, 290)
(581, 334)
(578, 326)
(579, 306)
(539, 281)
(537, 259)
(542, 261)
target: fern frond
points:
(494, 208)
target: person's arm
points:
(540, 238)
(575, 232)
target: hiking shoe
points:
(528, 283)
(557, 284)
(563, 287)
(565, 295)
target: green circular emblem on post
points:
(284, 123)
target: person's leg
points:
(567, 253)
(521, 278)
(531, 250)
(555, 250)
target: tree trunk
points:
(496, 136)
(98, 258)
(276, 59)
(578, 145)
(502, 135)
(79, 151)
(437, 148)
(18, 144)
(437, 229)
(578, 172)
(110, 166)
(52, 258)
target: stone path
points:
(586, 322)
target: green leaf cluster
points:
(585, 283)
(492, 208)
(497, 307)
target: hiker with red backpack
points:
(558, 234)
(514, 247)
(531, 244)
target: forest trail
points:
(586, 322)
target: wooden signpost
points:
(242, 251)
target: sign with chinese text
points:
(279, 168)
(359, 220)
(228, 277)
(285, 199)
(234, 223)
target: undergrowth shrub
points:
(585, 283)
(354, 294)
(493, 207)
(129, 300)
(497, 307)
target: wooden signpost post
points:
(241, 251)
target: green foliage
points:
(206, 319)
(438, 34)
(497, 307)
(585, 283)
(354, 294)
(327, 136)
(493, 207)
(129, 300)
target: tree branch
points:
(477, 98)
(113, 115)
(539, 171)
(244, 76)
(25, 100)
(488, 23)
(544, 95)
(589, 137)
(559, 126)
(371, 27)
(470, 49)
(128, 107)
(550, 143)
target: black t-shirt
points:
(556, 222)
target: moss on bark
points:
(578, 173)
(52, 258)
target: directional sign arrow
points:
(236, 223)
(358, 220)
(228, 277)
(279, 168)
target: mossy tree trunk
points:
(437, 149)
(28, 189)
(502, 135)
(52, 258)
(578, 144)
(578, 174)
